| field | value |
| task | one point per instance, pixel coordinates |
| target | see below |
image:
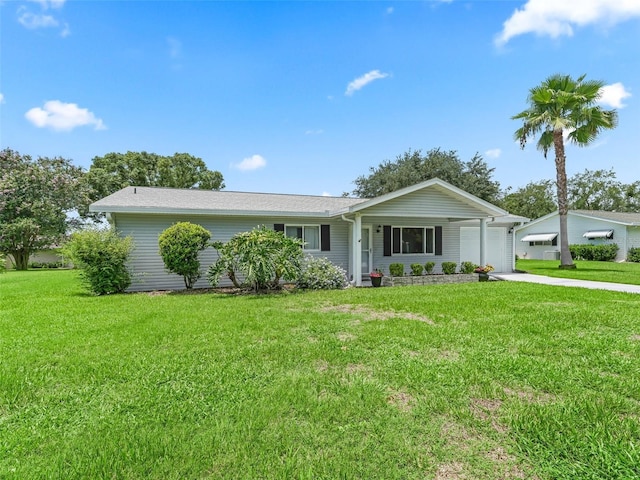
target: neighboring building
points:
(51, 255)
(432, 220)
(540, 239)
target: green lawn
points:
(492, 380)
(628, 273)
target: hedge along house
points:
(413, 225)
(540, 239)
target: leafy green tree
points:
(561, 106)
(261, 257)
(35, 197)
(180, 245)
(413, 167)
(114, 171)
(534, 200)
(596, 190)
(102, 256)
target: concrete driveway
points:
(566, 282)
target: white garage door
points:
(496, 244)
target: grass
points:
(485, 381)
(628, 272)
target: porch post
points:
(483, 241)
(357, 253)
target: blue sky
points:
(303, 97)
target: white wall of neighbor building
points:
(148, 268)
(577, 226)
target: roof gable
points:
(440, 187)
(621, 218)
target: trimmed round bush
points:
(449, 268)
(633, 255)
(416, 269)
(428, 267)
(180, 245)
(396, 269)
(467, 267)
(321, 274)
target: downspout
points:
(353, 248)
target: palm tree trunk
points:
(561, 184)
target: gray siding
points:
(425, 203)
(147, 266)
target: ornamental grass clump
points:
(321, 274)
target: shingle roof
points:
(173, 200)
(629, 218)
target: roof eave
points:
(194, 211)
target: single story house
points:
(432, 220)
(539, 239)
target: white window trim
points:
(424, 241)
(303, 226)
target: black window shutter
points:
(396, 247)
(325, 238)
(386, 235)
(554, 241)
(278, 227)
(438, 240)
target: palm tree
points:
(561, 107)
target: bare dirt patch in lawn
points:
(487, 409)
(529, 395)
(635, 337)
(401, 400)
(371, 314)
(450, 471)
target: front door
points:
(367, 251)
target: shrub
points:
(467, 267)
(449, 268)
(599, 253)
(396, 269)
(321, 274)
(3, 267)
(180, 245)
(416, 269)
(262, 257)
(428, 267)
(102, 256)
(633, 255)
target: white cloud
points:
(613, 95)
(364, 80)
(318, 131)
(1, 98)
(493, 153)
(250, 163)
(46, 4)
(32, 21)
(35, 20)
(326, 194)
(389, 10)
(558, 17)
(62, 116)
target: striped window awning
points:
(598, 234)
(539, 237)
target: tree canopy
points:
(114, 171)
(562, 106)
(413, 167)
(35, 197)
